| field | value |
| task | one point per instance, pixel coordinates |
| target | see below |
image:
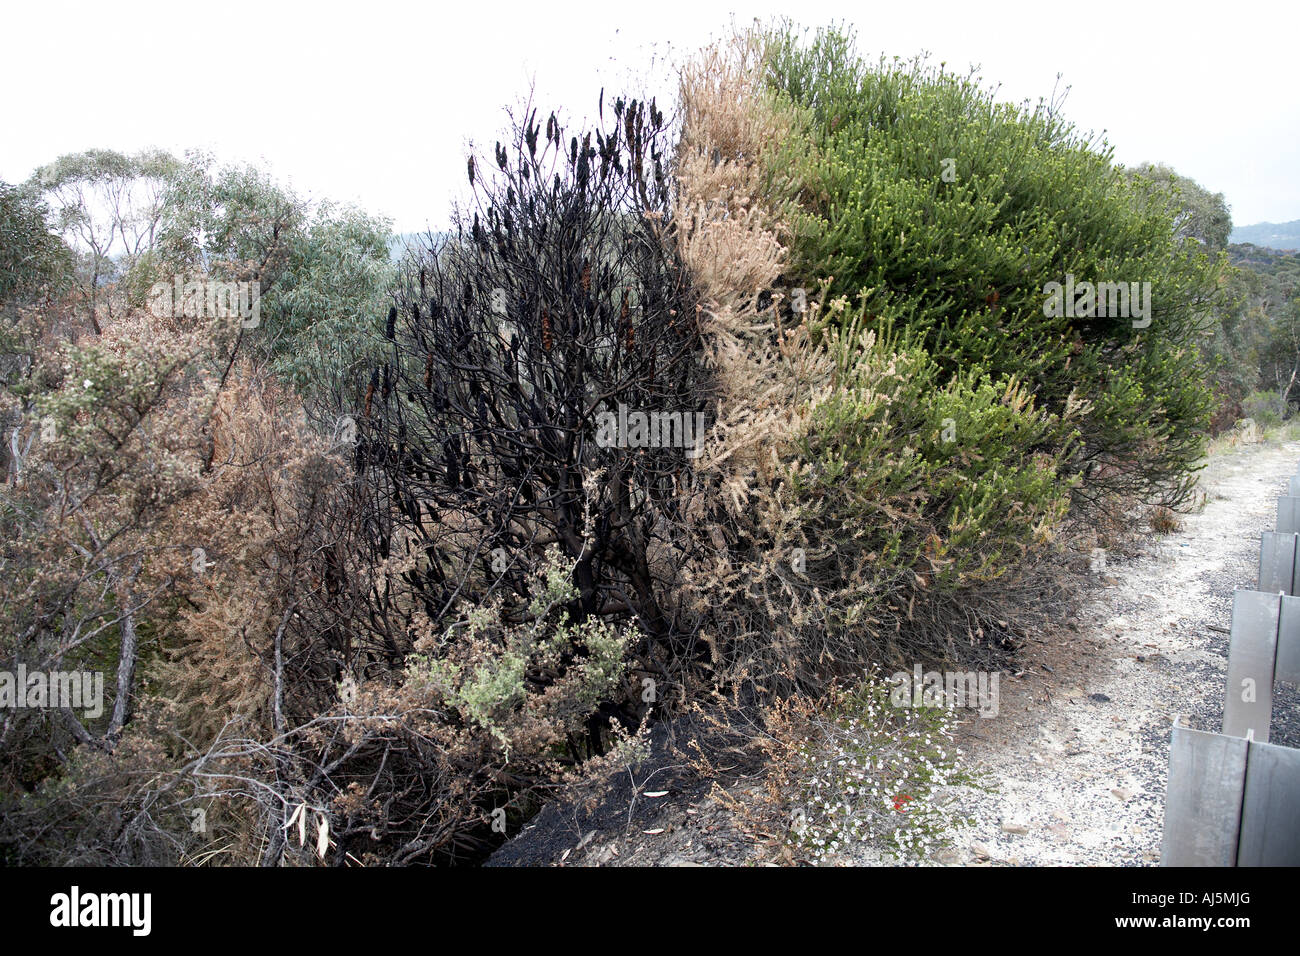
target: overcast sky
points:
(374, 102)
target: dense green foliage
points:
(955, 458)
(325, 273)
(949, 213)
(31, 257)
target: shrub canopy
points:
(950, 213)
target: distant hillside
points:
(1272, 235)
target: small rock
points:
(1099, 698)
(1122, 795)
(979, 849)
(1014, 828)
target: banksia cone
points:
(546, 331)
(586, 276)
(370, 390)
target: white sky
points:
(374, 102)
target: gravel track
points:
(1079, 753)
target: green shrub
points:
(950, 213)
(1264, 407)
(912, 499)
(959, 467)
(478, 671)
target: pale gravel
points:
(1078, 755)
